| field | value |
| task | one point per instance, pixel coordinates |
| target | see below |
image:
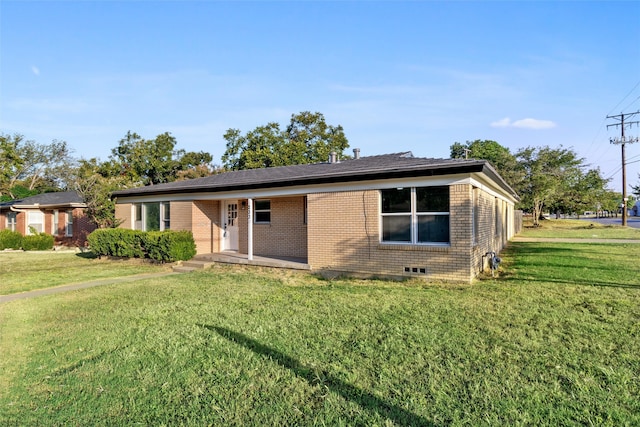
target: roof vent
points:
(333, 157)
(356, 153)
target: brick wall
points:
(123, 213)
(82, 226)
(284, 236)
(344, 235)
(205, 224)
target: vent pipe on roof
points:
(333, 157)
(356, 153)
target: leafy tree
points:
(545, 171)
(94, 182)
(579, 192)
(307, 139)
(155, 161)
(500, 157)
(36, 167)
(9, 160)
(635, 189)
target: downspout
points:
(250, 229)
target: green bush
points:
(117, 242)
(169, 246)
(10, 240)
(37, 242)
(162, 246)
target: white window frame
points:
(257, 210)
(68, 226)
(140, 222)
(414, 216)
(12, 220)
(32, 223)
(54, 223)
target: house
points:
(60, 214)
(385, 215)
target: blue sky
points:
(397, 76)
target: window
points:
(54, 223)
(415, 215)
(166, 216)
(12, 220)
(154, 216)
(68, 229)
(262, 210)
(137, 225)
(35, 221)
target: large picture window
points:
(153, 216)
(415, 215)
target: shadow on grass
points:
(87, 255)
(366, 400)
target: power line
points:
(622, 141)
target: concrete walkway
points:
(569, 240)
(83, 285)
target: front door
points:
(230, 226)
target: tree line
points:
(546, 178)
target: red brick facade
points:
(80, 226)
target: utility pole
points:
(622, 141)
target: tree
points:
(9, 160)
(95, 182)
(579, 192)
(635, 189)
(307, 139)
(155, 161)
(33, 166)
(545, 171)
(500, 157)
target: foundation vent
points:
(415, 270)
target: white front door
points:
(230, 225)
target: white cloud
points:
(534, 124)
(527, 123)
(35, 70)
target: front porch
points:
(232, 257)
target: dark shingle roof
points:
(396, 165)
(62, 199)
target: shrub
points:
(117, 242)
(37, 242)
(162, 246)
(10, 240)
(169, 246)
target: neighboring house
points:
(60, 214)
(387, 215)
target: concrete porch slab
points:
(237, 258)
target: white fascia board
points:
(302, 190)
(485, 184)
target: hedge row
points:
(35, 242)
(162, 246)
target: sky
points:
(397, 76)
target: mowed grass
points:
(553, 341)
(26, 271)
(578, 229)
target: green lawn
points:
(553, 341)
(26, 271)
(579, 229)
